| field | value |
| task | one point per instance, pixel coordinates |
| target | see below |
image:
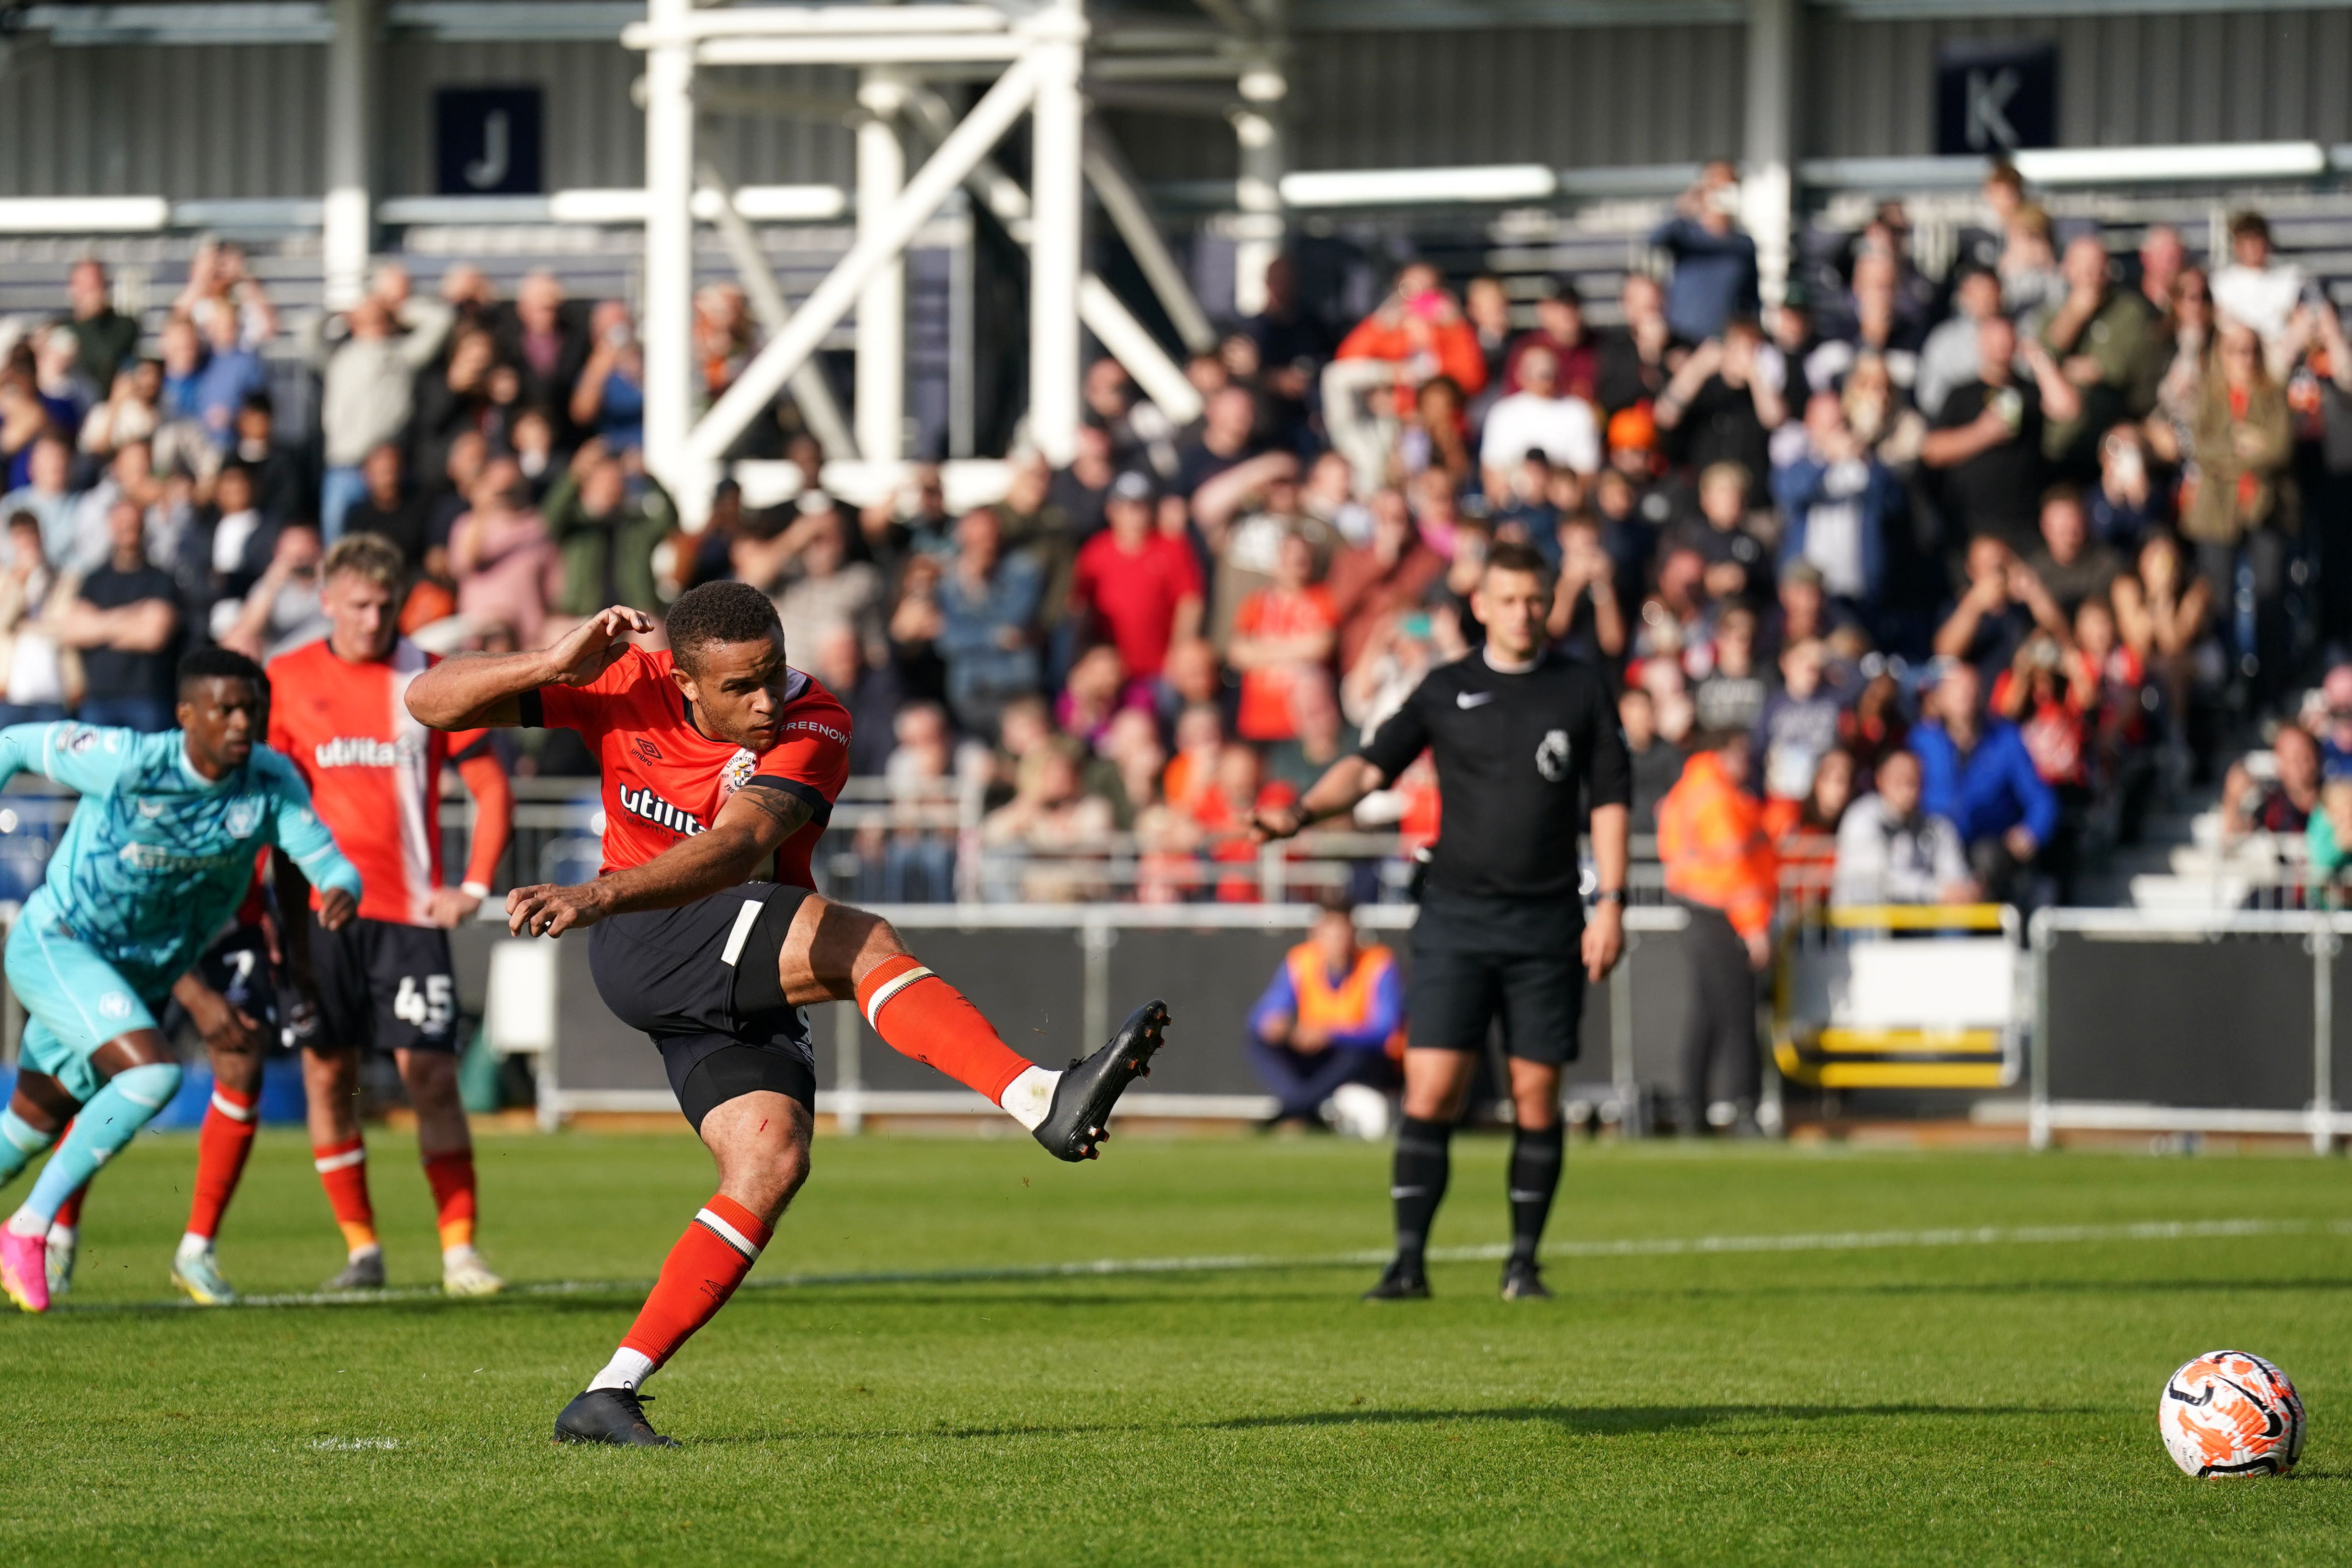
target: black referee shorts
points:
(701, 981)
(1478, 960)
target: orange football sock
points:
(226, 1139)
(919, 1015)
(452, 1179)
(701, 1271)
(342, 1171)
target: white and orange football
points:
(2231, 1413)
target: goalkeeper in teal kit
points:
(158, 857)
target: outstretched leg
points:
(834, 953)
(139, 1079)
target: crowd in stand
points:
(1981, 564)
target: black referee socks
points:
(1534, 1175)
(1423, 1160)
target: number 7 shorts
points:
(383, 984)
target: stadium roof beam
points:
(765, 296)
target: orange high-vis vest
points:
(1343, 1009)
(1712, 840)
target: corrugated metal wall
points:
(2254, 75)
(1563, 96)
(183, 122)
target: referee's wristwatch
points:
(1609, 896)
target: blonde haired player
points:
(339, 714)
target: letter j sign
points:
(487, 140)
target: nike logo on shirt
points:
(1473, 698)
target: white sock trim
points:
(1029, 1097)
(627, 1369)
(190, 1242)
(231, 1109)
(727, 1233)
(343, 1161)
(890, 988)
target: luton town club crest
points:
(740, 769)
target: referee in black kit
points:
(1525, 739)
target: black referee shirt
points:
(1519, 758)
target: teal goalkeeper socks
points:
(20, 1141)
(111, 1118)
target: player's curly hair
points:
(214, 662)
(718, 612)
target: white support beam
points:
(769, 307)
(1768, 175)
(346, 236)
(667, 318)
(1057, 237)
(1162, 379)
(880, 409)
(878, 49)
(813, 21)
(765, 376)
(1106, 171)
(1259, 192)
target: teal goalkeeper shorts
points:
(76, 999)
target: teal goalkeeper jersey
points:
(158, 857)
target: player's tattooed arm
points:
(752, 824)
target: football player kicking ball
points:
(159, 853)
(385, 980)
(720, 763)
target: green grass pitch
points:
(1969, 1402)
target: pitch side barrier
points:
(1056, 979)
(2185, 1022)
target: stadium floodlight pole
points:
(667, 326)
(1766, 185)
(880, 409)
(347, 229)
(1130, 213)
(1257, 127)
(1056, 229)
(765, 376)
(766, 298)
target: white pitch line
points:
(1101, 1268)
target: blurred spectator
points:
(131, 412)
(1318, 736)
(1540, 416)
(2256, 290)
(1988, 441)
(2162, 257)
(1715, 263)
(1951, 356)
(1588, 622)
(987, 603)
(2327, 837)
(389, 509)
(105, 339)
(608, 403)
(836, 655)
(919, 863)
(1288, 334)
(1631, 364)
(1719, 865)
(1558, 331)
(1283, 636)
(369, 393)
(2123, 506)
(37, 675)
(548, 349)
(46, 494)
(1053, 819)
(126, 623)
(2005, 601)
(1138, 588)
(1798, 727)
(238, 541)
(1720, 408)
(1329, 1017)
(1093, 696)
(1420, 333)
(2072, 565)
(2283, 804)
(1722, 536)
(507, 568)
(2102, 339)
(1976, 770)
(232, 373)
(1835, 499)
(2242, 515)
(605, 530)
(1657, 765)
(284, 483)
(1245, 551)
(1890, 851)
(280, 610)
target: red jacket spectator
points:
(1138, 587)
(1420, 330)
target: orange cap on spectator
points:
(1632, 429)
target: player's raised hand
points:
(550, 910)
(336, 907)
(590, 648)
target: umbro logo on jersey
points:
(1473, 698)
(647, 750)
(645, 802)
(357, 752)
